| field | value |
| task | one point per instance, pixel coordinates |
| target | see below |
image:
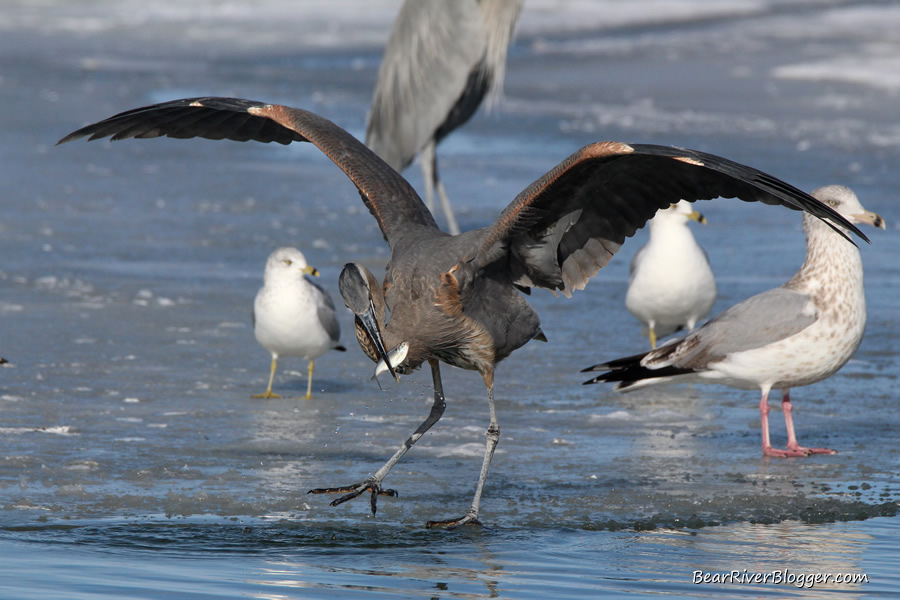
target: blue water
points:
(210, 558)
(133, 463)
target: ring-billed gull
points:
(793, 335)
(671, 284)
(292, 316)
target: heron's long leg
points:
(493, 437)
(789, 424)
(268, 393)
(433, 183)
(428, 162)
(373, 483)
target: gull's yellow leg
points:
(652, 338)
(309, 381)
(268, 393)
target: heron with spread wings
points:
(459, 299)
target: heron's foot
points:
(470, 518)
(352, 491)
(266, 395)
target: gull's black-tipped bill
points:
(457, 299)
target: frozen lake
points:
(133, 462)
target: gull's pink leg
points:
(767, 448)
(789, 424)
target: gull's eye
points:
(833, 203)
(288, 262)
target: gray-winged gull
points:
(671, 284)
(292, 316)
(793, 335)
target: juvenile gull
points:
(671, 284)
(793, 335)
(459, 299)
(292, 316)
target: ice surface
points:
(128, 269)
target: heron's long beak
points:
(307, 270)
(356, 290)
(869, 218)
(370, 324)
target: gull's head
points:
(287, 263)
(844, 201)
(680, 212)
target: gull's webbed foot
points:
(808, 451)
(470, 518)
(786, 453)
(352, 491)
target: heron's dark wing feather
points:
(390, 199)
(568, 224)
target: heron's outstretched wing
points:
(441, 60)
(568, 224)
(388, 196)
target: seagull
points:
(671, 284)
(459, 299)
(441, 61)
(789, 336)
(292, 316)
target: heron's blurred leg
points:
(493, 437)
(268, 393)
(373, 483)
(428, 161)
(789, 424)
(433, 183)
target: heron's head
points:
(364, 296)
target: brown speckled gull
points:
(793, 335)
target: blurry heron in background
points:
(441, 60)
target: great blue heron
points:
(442, 59)
(292, 316)
(457, 299)
(671, 284)
(793, 335)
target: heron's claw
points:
(352, 491)
(469, 518)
